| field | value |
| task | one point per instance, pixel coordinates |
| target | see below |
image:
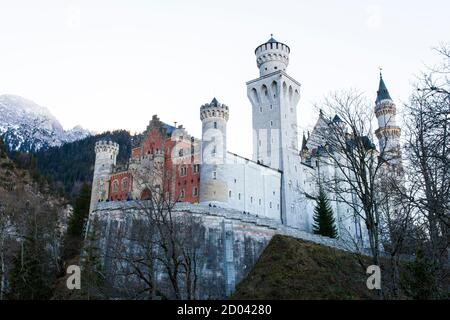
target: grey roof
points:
(382, 92)
(272, 40)
(214, 102)
(336, 119)
(304, 142)
(169, 128)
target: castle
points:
(279, 182)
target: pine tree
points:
(29, 279)
(323, 217)
(92, 275)
(80, 212)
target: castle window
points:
(111, 156)
(235, 180)
(214, 175)
(229, 194)
(271, 123)
(195, 191)
(259, 201)
(275, 68)
(115, 186)
(239, 196)
(182, 194)
(183, 170)
(278, 206)
(180, 153)
(124, 184)
(260, 109)
(196, 168)
(270, 204)
(215, 125)
(251, 199)
(271, 105)
(192, 149)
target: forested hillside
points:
(67, 167)
(32, 227)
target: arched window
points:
(229, 194)
(124, 184)
(215, 125)
(146, 194)
(115, 186)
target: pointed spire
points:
(382, 93)
(304, 147)
(214, 102)
(272, 39)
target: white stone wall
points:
(252, 187)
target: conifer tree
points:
(80, 212)
(92, 275)
(29, 279)
(324, 223)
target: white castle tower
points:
(214, 117)
(105, 158)
(274, 97)
(388, 132)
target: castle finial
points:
(381, 74)
(382, 93)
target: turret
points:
(388, 132)
(214, 117)
(272, 56)
(105, 159)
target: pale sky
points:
(113, 64)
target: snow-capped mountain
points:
(26, 126)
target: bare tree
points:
(346, 145)
(427, 153)
(160, 245)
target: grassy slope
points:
(290, 268)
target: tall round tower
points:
(388, 132)
(105, 158)
(272, 56)
(214, 117)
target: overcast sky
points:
(113, 64)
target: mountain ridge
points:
(27, 126)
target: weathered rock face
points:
(231, 242)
